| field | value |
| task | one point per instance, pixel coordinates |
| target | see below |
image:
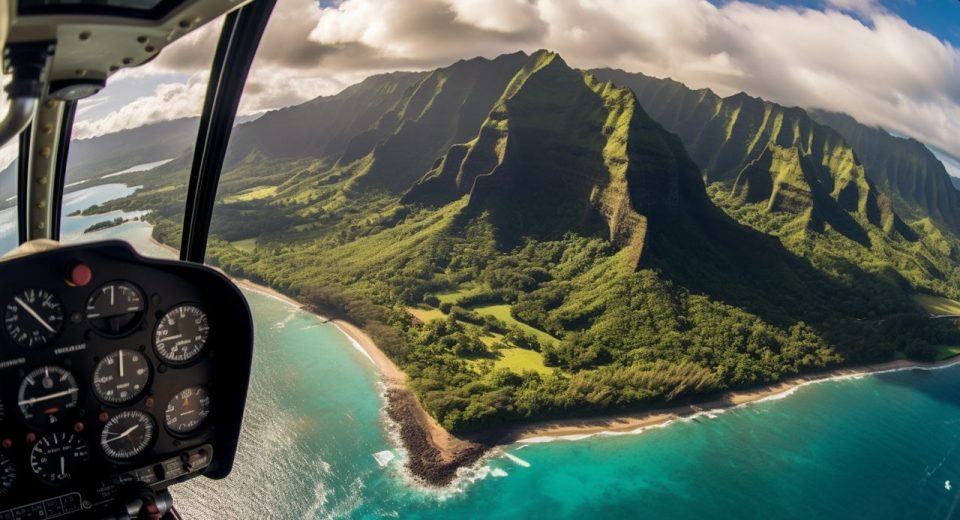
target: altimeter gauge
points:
(181, 334)
(115, 308)
(188, 410)
(121, 377)
(33, 318)
(8, 475)
(59, 457)
(127, 434)
(47, 395)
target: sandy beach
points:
(637, 422)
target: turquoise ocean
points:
(316, 445)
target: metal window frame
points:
(45, 143)
(239, 41)
(41, 170)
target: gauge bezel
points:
(203, 348)
(63, 414)
(130, 400)
(132, 326)
(46, 341)
(74, 474)
(202, 425)
(144, 448)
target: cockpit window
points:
(135, 140)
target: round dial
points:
(181, 334)
(127, 435)
(121, 377)
(47, 394)
(188, 410)
(33, 318)
(115, 308)
(8, 474)
(58, 457)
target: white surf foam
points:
(517, 460)
(384, 457)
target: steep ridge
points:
(445, 107)
(903, 168)
(725, 136)
(562, 151)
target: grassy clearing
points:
(947, 352)
(502, 312)
(257, 193)
(246, 245)
(451, 297)
(426, 314)
(519, 360)
(937, 304)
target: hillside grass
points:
(247, 245)
(520, 360)
(937, 305)
(426, 314)
(256, 193)
(947, 352)
(502, 313)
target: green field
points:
(937, 304)
(945, 352)
(246, 245)
(451, 297)
(257, 193)
(519, 360)
(426, 314)
(502, 312)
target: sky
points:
(888, 63)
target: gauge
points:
(47, 394)
(115, 308)
(188, 410)
(127, 435)
(121, 377)
(58, 457)
(8, 475)
(181, 334)
(33, 318)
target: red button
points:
(80, 275)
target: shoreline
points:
(435, 455)
(638, 422)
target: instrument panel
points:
(116, 373)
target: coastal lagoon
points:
(316, 445)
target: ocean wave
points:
(356, 345)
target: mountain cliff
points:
(903, 168)
(852, 162)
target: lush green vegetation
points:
(562, 256)
(106, 224)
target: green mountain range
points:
(528, 240)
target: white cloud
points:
(853, 56)
(168, 101)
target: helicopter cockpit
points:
(119, 375)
